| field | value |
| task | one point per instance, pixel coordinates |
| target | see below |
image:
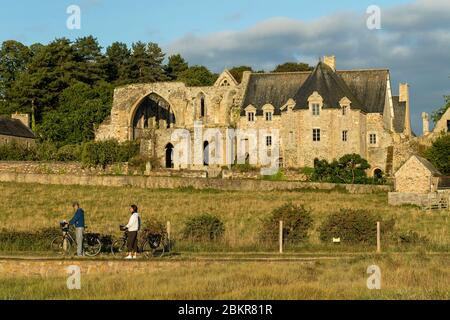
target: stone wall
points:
(73, 168)
(418, 199)
(179, 182)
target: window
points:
(202, 107)
(373, 138)
(251, 116)
(315, 109)
(268, 141)
(344, 110)
(268, 116)
(316, 134)
(345, 135)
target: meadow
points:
(32, 207)
(402, 277)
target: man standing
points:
(78, 222)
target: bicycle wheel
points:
(61, 245)
(152, 250)
(119, 248)
(94, 249)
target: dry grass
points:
(403, 277)
(32, 207)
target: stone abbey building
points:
(324, 113)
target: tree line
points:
(66, 86)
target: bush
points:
(14, 151)
(103, 153)
(439, 154)
(70, 152)
(205, 227)
(353, 226)
(297, 222)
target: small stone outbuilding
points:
(418, 182)
(16, 129)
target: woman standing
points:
(133, 227)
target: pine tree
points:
(176, 66)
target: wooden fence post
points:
(169, 237)
(378, 237)
(281, 236)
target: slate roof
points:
(427, 164)
(399, 114)
(365, 88)
(15, 128)
(272, 88)
(329, 85)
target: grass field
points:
(413, 274)
(402, 277)
(28, 207)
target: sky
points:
(413, 41)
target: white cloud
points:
(413, 43)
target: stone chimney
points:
(22, 117)
(425, 123)
(330, 61)
(404, 97)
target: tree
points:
(439, 154)
(437, 115)
(14, 58)
(91, 63)
(118, 58)
(81, 107)
(237, 72)
(50, 71)
(293, 67)
(146, 63)
(175, 66)
(198, 76)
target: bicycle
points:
(92, 246)
(150, 245)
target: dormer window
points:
(344, 110)
(315, 103)
(345, 105)
(315, 109)
(268, 110)
(250, 116)
(250, 112)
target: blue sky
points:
(155, 20)
(414, 42)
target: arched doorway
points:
(153, 112)
(169, 156)
(206, 153)
(378, 173)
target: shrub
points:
(46, 151)
(14, 151)
(70, 152)
(439, 154)
(103, 153)
(353, 226)
(297, 222)
(205, 227)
